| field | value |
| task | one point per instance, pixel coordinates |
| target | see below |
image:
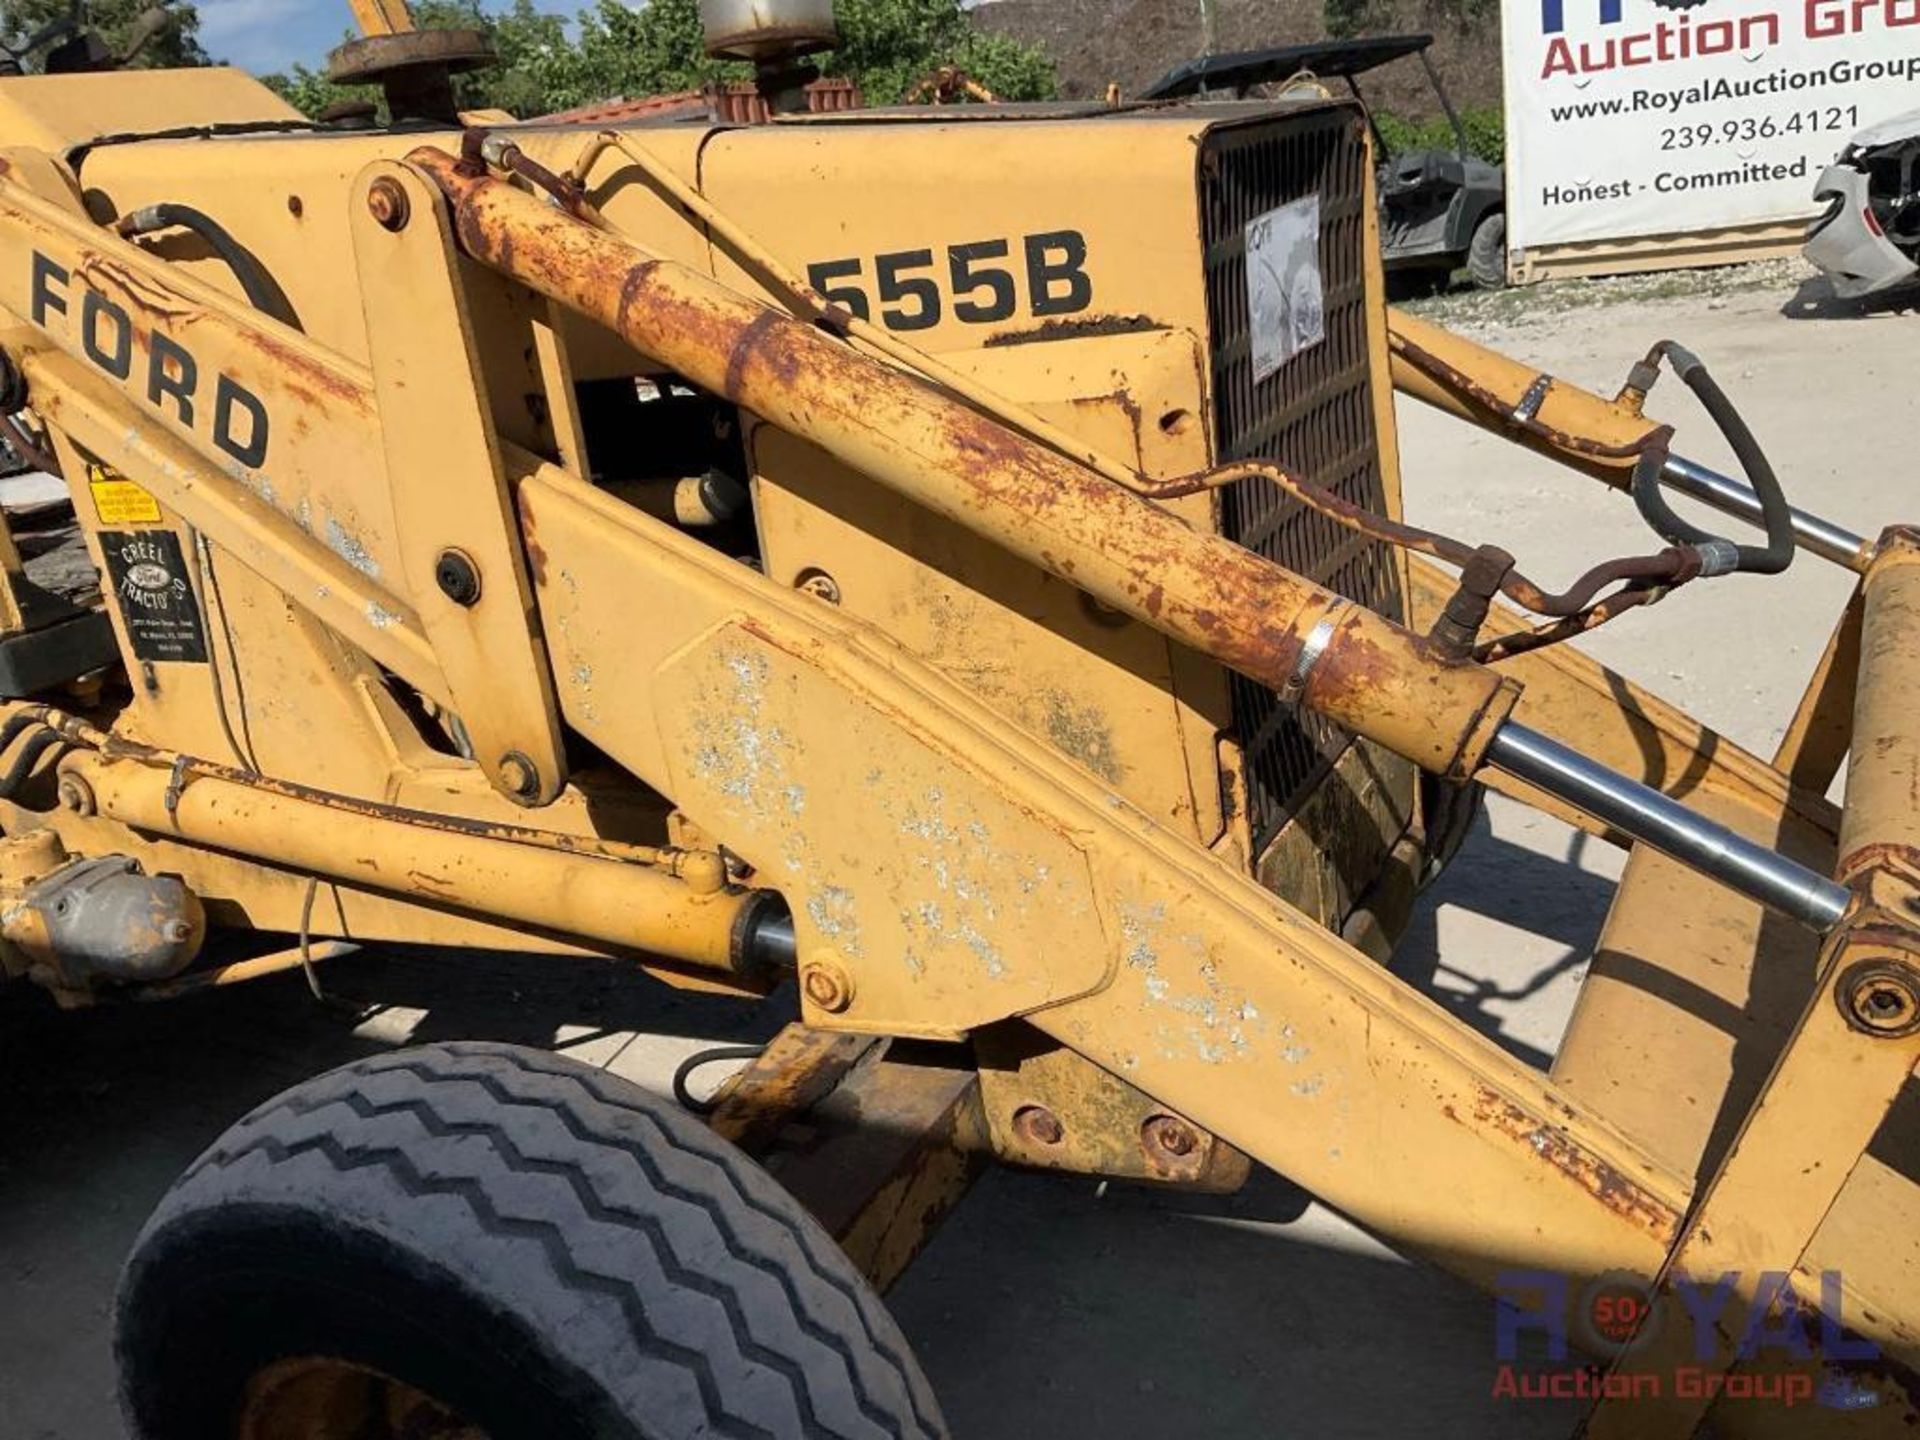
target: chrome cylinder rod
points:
(1645, 815)
(1732, 497)
(773, 942)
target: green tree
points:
(889, 45)
(175, 45)
(656, 49)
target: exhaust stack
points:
(767, 32)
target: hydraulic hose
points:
(18, 723)
(699, 1060)
(261, 292)
(1777, 515)
(23, 765)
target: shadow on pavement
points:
(1815, 300)
(1047, 1305)
(1044, 1309)
(1555, 899)
(105, 1107)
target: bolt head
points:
(1174, 1149)
(1177, 1139)
(827, 986)
(458, 577)
(389, 204)
(519, 776)
(1884, 1004)
(1881, 997)
(76, 795)
(820, 585)
(1037, 1125)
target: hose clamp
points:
(1309, 656)
(1528, 410)
(176, 783)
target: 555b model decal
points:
(978, 283)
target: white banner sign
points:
(1635, 117)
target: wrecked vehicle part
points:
(1869, 239)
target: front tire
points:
(509, 1244)
(1487, 253)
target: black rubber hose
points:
(1649, 496)
(701, 1058)
(29, 756)
(18, 723)
(261, 292)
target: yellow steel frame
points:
(950, 868)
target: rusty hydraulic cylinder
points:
(1313, 647)
(1604, 438)
(706, 926)
(1485, 388)
(1881, 825)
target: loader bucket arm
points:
(1164, 993)
(1574, 427)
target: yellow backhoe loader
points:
(952, 556)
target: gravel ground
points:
(1047, 1306)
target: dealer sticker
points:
(155, 596)
(1286, 298)
(118, 500)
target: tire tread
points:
(842, 1335)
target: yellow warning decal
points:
(117, 500)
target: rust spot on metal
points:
(798, 1070)
(758, 341)
(536, 553)
(314, 381)
(1038, 1126)
(1079, 328)
(1352, 668)
(1463, 384)
(1173, 1147)
(1617, 1191)
(1861, 864)
(159, 306)
(631, 288)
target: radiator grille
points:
(1315, 415)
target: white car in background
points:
(1869, 239)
